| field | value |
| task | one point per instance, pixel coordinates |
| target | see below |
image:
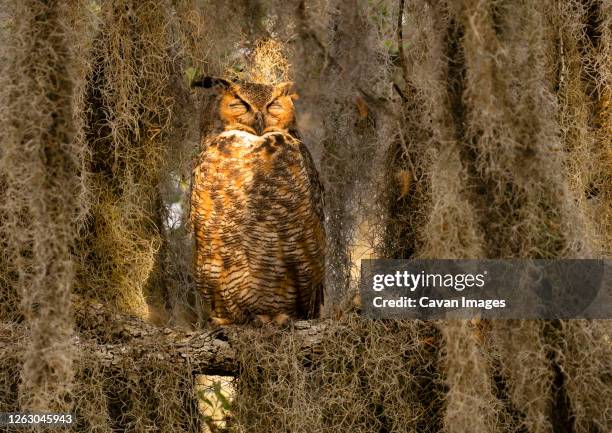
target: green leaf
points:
(225, 404)
(191, 73)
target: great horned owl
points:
(256, 209)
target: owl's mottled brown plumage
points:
(257, 211)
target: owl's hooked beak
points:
(259, 123)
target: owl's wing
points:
(316, 187)
(196, 175)
(318, 202)
(198, 215)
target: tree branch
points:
(402, 56)
(117, 339)
(400, 41)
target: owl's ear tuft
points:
(288, 89)
(208, 82)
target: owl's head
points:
(253, 107)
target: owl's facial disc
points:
(280, 114)
(237, 114)
(253, 107)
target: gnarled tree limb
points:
(116, 338)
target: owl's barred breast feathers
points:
(258, 220)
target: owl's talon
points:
(281, 319)
(219, 321)
(262, 319)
